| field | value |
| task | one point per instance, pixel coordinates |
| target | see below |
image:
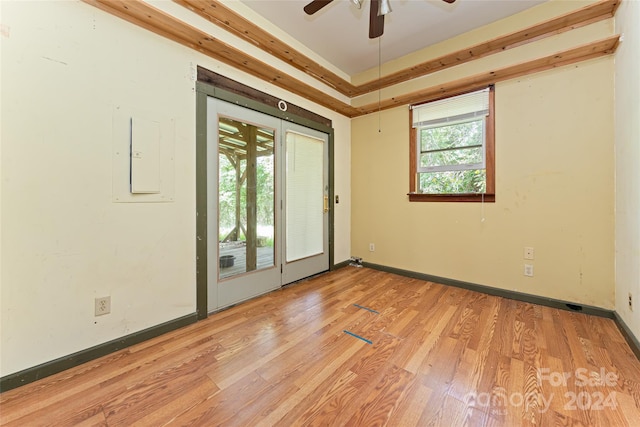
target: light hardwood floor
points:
(438, 356)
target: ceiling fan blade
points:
(376, 22)
(449, 1)
(315, 6)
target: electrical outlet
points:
(102, 306)
(372, 247)
(528, 270)
(528, 252)
(630, 301)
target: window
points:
(452, 149)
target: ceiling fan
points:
(377, 10)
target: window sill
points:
(421, 197)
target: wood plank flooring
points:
(438, 356)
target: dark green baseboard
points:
(53, 367)
(520, 296)
(628, 335)
(29, 375)
(505, 293)
(340, 265)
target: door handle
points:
(326, 204)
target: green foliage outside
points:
(227, 196)
(454, 182)
(460, 144)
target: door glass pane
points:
(304, 196)
(246, 197)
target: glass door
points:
(243, 219)
(267, 203)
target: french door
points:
(267, 203)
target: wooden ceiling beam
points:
(215, 12)
(153, 19)
(582, 53)
(239, 26)
(163, 24)
(594, 12)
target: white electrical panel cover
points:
(145, 156)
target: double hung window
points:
(452, 148)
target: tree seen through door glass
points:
(246, 197)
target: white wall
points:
(627, 128)
(68, 71)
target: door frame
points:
(259, 102)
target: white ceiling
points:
(339, 32)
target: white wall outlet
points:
(528, 270)
(528, 252)
(102, 306)
(372, 247)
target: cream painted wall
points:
(554, 191)
(66, 67)
(627, 151)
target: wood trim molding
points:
(413, 157)
(217, 13)
(165, 25)
(581, 53)
(237, 25)
(450, 198)
(146, 16)
(490, 149)
(219, 81)
(569, 21)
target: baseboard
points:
(53, 367)
(631, 339)
(340, 265)
(628, 335)
(505, 293)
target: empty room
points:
(320, 212)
